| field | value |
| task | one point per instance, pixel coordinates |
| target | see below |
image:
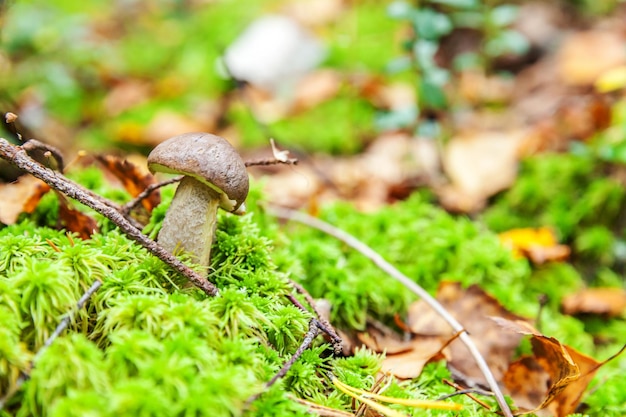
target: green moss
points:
(608, 396)
(570, 193)
(155, 334)
(424, 242)
(166, 346)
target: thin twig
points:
(18, 157)
(469, 392)
(323, 325)
(270, 161)
(311, 334)
(379, 261)
(65, 322)
(126, 208)
(68, 317)
(326, 327)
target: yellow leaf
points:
(611, 80)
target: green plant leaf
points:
(430, 24)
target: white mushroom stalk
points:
(214, 176)
(190, 221)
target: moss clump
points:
(572, 194)
(154, 334)
(148, 343)
(424, 242)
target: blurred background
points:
(377, 98)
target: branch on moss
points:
(324, 324)
(380, 262)
(68, 317)
(57, 332)
(18, 157)
(315, 329)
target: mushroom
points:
(214, 176)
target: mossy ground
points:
(149, 344)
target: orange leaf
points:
(21, 196)
(539, 245)
(554, 378)
(76, 221)
(609, 302)
(134, 179)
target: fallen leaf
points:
(21, 196)
(539, 245)
(381, 338)
(479, 165)
(609, 302)
(404, 358)
(554, 378)
(410, 363)
(474, 309)
(133, 178)
(527, 380)
(585, 56)
(76, 221)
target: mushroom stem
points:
(190, 221)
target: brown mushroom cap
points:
(209, 159)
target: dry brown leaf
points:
(76, 221)
(479, 165)
(585, 56)
(474, 309)
(410, 363)
(381, 338)
(528, 381)
(133, 178)
(21, 196)
(609, 302)
(404, 358)
(554, 378)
